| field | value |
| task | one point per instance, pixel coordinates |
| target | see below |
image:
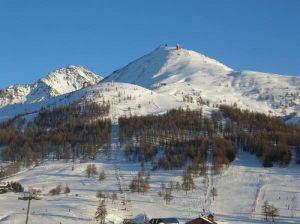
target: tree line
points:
(184, 137)
(65, 132)
(268, 137)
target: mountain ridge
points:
(186, 73)
(58, 82)
(166, 78)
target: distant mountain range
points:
(163, 79)
(56, 83)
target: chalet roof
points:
(164, 220)
(200, 220)
(169, 220)
(4, 185)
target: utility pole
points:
(28, 209)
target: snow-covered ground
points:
(241, 190)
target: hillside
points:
(125, 99)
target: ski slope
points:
(241, 190)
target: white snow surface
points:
(166, 65)
(242, 188)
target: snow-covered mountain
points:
(14, 94)
(166, 66)
(187, 74)
(125, 99)
(163, 79)
(61, 81)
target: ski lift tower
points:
(28, 196)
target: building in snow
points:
(86, 84)
(164, 221)
(203, 220)
(4, 187)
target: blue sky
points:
(39, 36)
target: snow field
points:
(243, 185)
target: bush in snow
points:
(67, 190)
(91, 170)
(17, 187)
(55, 191)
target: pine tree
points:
(67, 189)
(101, 212)
(102, 176)
(265, 209)
(178, 187)
(187, 181)
(114, 197)
(91, 170)
(273, 212)
(140, 183)
(168, 197)
(214, 193)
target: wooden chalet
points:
(4, 187)
(86, 84)
(203, 220)
(164, 221)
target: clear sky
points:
(38, 36)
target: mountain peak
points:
(61, 81)
(68, 79)
(72, 70)
(168, 64)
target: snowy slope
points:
(281, 93)
(238, 199)
(56, 83)
(187, 73)
(125, 99)
(166, 65)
